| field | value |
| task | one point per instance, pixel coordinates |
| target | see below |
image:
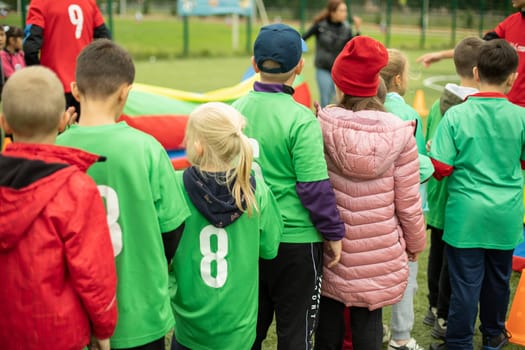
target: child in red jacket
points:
(57, 269)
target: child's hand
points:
(99, 344)
(429, 143)
(72, 116)
(334, 248)
(412, 256)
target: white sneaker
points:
(411, 345)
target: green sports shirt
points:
(288, 148)
(215, 275)
(437, 190)
(137, 183)
(484, 140)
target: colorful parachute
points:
(163, 112)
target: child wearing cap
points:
(288, 154)
(480, 145)
(373, 165)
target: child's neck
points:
(10, 49)
(483, 87)
(38, 139)
(468, 82)
(99, 112)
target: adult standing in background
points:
(56, 31)
(332, 32)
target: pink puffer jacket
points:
(374, 168)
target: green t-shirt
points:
(436, 190)
(215, 275)
(142, 201)
(288, 148)
(484, 140)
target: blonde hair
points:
(33, 101)
(217, 128)
(397, 62)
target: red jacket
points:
(57, 271)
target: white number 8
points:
(77, 19)
(112, 214)
(218, 256)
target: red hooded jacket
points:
(57, 271)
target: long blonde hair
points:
(397, 62)
(215, 143)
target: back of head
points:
(33, 101)
(356, 72)
(214, 140)
(397, 62)
(466, 55)
(277, 51)
(497, 60)
(103, 67)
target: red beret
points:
(356, 69)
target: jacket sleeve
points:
(89, 255)
(312, 31)
(34, 38)
(407, 198)
(101, 32)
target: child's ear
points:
(475, 72)
(124, 92)
(511, 79)
(199, 150)
(64, 121)
(299, 67)
(74, 91)
(254, 65)
(4, 125)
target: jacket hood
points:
(212, 197)
(363, 144)
(30, 177)
(453, 95)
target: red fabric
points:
(302, 95)
(441, 169)
(57, 269)
(512, 29)
(522, 164)
(169, 130)
(180, 163)
(64, 34)
(488, 94)
(347, 342)
(356, 69)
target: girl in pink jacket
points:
(373, 166)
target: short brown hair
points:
(466, 55)
(33, 101)
(497, 60)
(102, 67)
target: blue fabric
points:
(477, 275)
(325, 85)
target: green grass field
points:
(156, 45)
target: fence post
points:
(388, 22)
(454, 10)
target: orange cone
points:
(516, 321)
(420, 104)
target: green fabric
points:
(142, 200)
(396, 105)
(2, 136)
(436, 190)
(214, 280)
(288, 147)
(484, 140)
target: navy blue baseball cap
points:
(279, 43)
